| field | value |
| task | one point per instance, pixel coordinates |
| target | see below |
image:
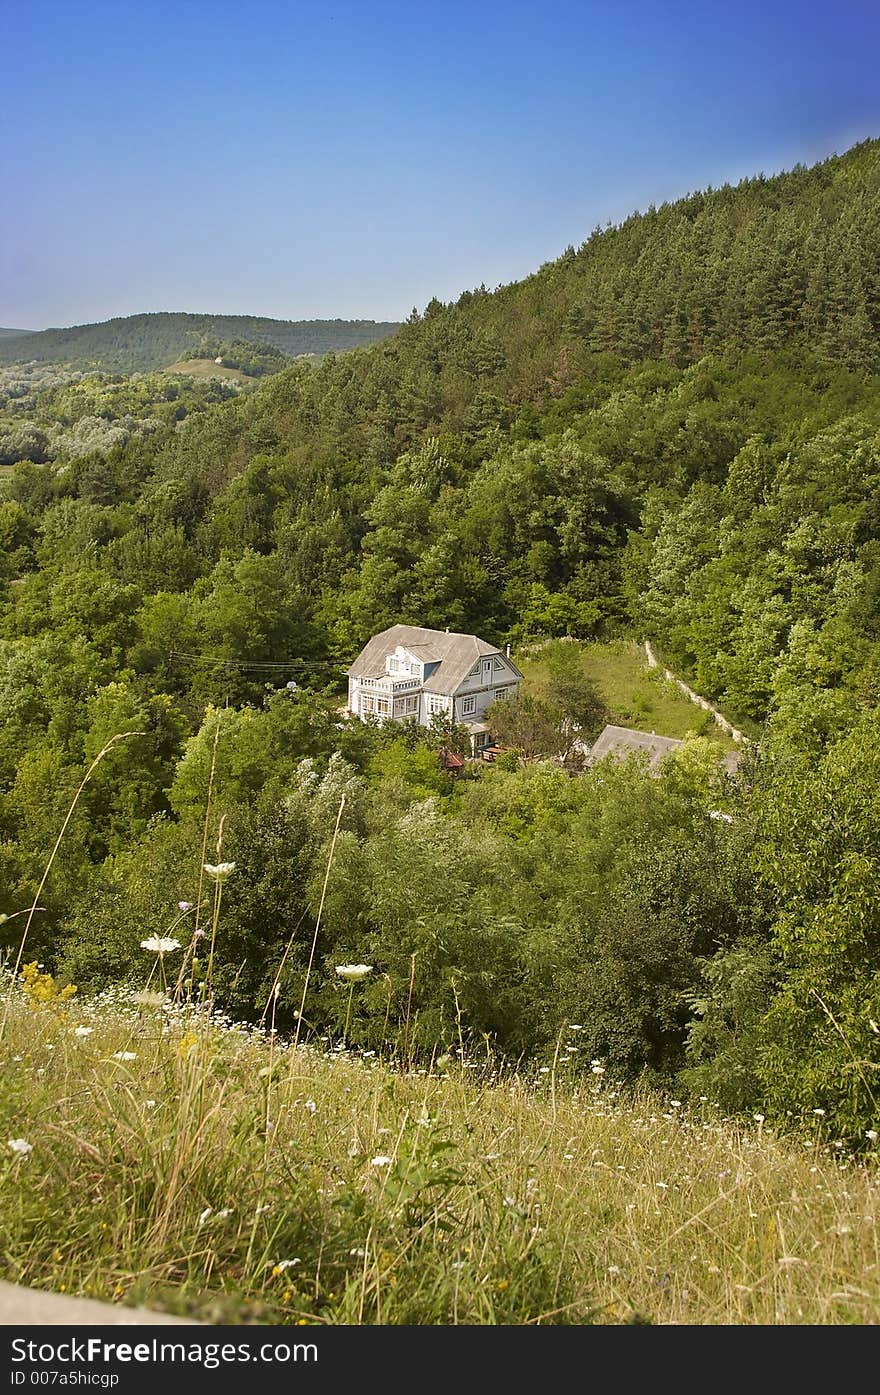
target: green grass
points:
(215, 1172)
(635, 695)
(207, 368)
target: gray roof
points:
(623, 741)
(454, 654)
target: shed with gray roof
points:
(624, 741)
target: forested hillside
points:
(138, 343)
(673, 431)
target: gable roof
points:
(624, 741)
(454, 654)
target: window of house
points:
(468, 706)
(487, 665)
(383, 707)
(498, 665)
(412, 705)
(475, 671)
(367, 704)
(502, 693)
(436, 704)
(393, 665)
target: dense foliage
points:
(674, 431)
(138, 343)
(50, 412)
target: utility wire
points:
(261, 664)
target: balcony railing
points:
(391, 685)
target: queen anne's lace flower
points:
(353, 972)
(159, 944)
(219, 871)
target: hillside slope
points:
(142, 342)
(769, 265)
(674, 431)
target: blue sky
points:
(336, 158)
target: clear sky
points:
(319, 158)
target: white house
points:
(411, 672)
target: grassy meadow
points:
(635, 695)
(206, 368)
(152, 1156)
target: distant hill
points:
(143, 342)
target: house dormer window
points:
(393, 665)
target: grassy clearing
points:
(207, 368)
(635, 695)
(214, 1171)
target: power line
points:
(259, 664)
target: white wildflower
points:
(83, 1031)
(717, 814)
(218, 872)
(283, 1264)
(871, 1134)
(125, 1055)
(160, 944)
(353, 972)
(20, 1145)
(380, 1160)
(147, 997)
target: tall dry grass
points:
(216, 1170)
